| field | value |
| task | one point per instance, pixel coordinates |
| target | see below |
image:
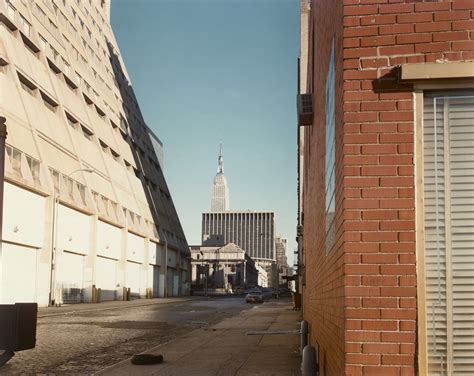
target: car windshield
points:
(255, 291)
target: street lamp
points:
(54, 254)
(202, 268)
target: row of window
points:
(41, 15)
(99, 78)
(31, 88)
(59, 61)
(22, 166)
(52, 105)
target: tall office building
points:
(220, 190)
(86, 203)
(252, 231)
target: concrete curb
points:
(118, 306)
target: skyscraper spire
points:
(220, 191)
(220, 167)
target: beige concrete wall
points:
(63, 100)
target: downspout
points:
(3, 137)
(166, 268)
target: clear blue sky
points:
(211, 71)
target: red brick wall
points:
(360, 299)
(379, 227)
(324, 291)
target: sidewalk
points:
(67, 309)
(227, 348)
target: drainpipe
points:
(3, 137)
(165, 290)
(52, 282)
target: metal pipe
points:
(3, 137)
(165, 291)
(304, 335)
(309, 364)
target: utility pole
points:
(3, 137)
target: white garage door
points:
(19, 274)
(106, 278)
(132, 279)
(70, 277)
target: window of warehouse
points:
(448, 161)
(330, 153)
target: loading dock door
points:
(133, 278)
(70, 277)
(19, 274)
(106, 278)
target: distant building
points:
(252, 231)
(220, 190)
(224, 267)
(263, 276)
(281, 258)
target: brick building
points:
(386, 167)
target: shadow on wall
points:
(147, 153)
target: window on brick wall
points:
(448, 152)
(330, 153)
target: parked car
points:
(254, 296)
(267, 292)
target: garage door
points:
(132, 280)
(169, 282)
(154, 279)
(19, 274)
(70, 277)
(106, 278)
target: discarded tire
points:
(146, 359)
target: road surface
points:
(88, 341)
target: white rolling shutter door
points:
(449, 232)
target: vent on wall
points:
(304, 104)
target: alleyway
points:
(261, 340)
(86, 339)
(91, 338)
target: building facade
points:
(224, 268)
(281, 245)
(220, 190)
(387, 182)
(253, 231)
(86, 204)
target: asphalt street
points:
(84, 342)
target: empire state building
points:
(220, 191)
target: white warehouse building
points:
(86, 205)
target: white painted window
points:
(23, 166)
(329, 171)
(25, 26)
(448, 152)
(43, 42)
(10, 10)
